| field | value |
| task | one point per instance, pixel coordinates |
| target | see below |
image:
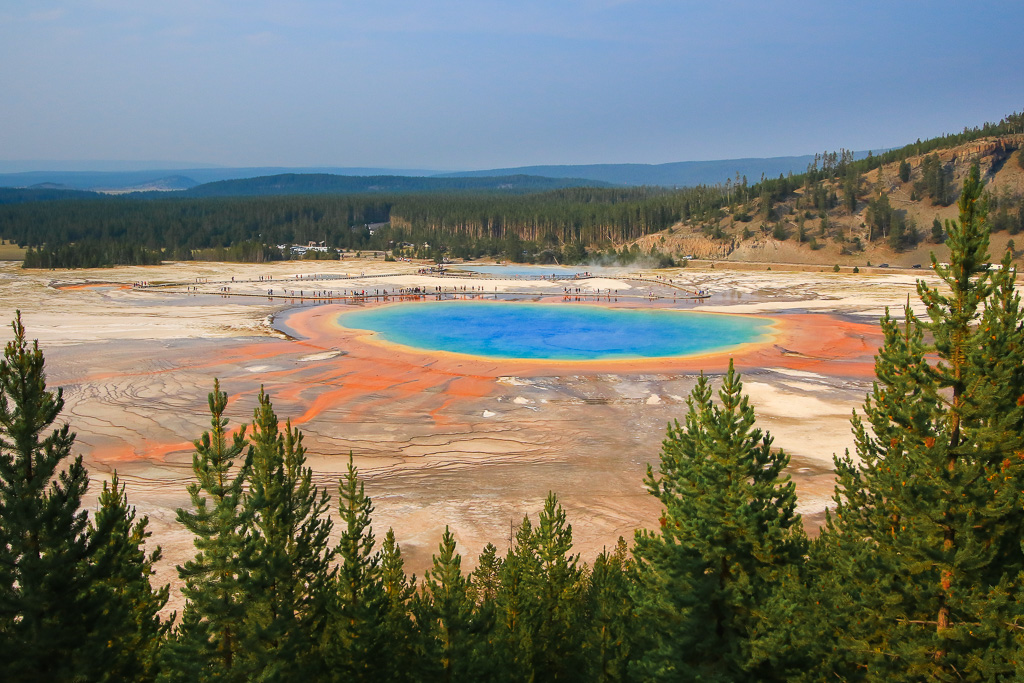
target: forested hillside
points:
(838, 213)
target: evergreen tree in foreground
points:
(925, 540)
(610, 615)
(290, 575)
(49, 613)
(355, 644)
(453, 635)
(398, 627)
(207, 641)
(486, 578)
(75, 598)
(555, 591)
(729, 531)
(512, 603)
(134, 632)
(539, 606)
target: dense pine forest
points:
(249, 220)
(94, 232)
(917, 574)
(75, 233)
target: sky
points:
(454, 85)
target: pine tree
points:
(355, 644)
(926, 533)
(51, 620)
(729, 531)
(904, 171)
(938, 234)
(851, 187)
(795, 636)
(289, 573)
(556, 585)
(539, 602)
(484, 588)
(934, 180)
(399, 590)
(445, 612)
(212, 621)
(486, 578)
(513, 628)
(610, 615)
(134, 631)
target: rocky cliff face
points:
(683, 244)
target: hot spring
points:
(556, 331)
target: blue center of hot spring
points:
(555, 331)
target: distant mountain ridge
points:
(324, 183)
(129, 180)
(676, 174)
(303, 184)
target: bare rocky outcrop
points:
(678, 240)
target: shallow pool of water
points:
(555, 331)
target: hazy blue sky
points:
(478, 84)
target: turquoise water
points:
(555, 331)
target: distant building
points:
(299, 250)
